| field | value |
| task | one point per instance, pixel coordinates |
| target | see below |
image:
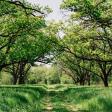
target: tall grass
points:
(84, 99)
(61, 98)
(21, 99)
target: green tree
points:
(14, 20)
(91, 37)
(22, 39)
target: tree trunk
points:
(23, 70)
(105, 72)
(21, 79)
(82, 82)
(89, 80)
(21, 73)
(15, 79)
(105, 81)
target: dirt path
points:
(49, 106)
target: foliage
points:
(5, 78)
(22, 38)
(47, 75)
(88, 36)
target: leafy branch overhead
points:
(88, 37)
(21, 35)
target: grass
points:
(57, 98)
(20, 99)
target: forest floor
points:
(55, 98)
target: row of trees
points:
(22, 39)
(87, 43)
(83, 50)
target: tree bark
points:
(105, 81)
(82, 82)
(89, 80)
(15, 80)
(21, 73)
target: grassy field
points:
(57, 98)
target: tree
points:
(16, 19)
(75, 68)
(22, 39)
(92, 34)
(18, 71)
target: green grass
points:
(57, 98)
(20, 98)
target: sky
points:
(54, 5)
